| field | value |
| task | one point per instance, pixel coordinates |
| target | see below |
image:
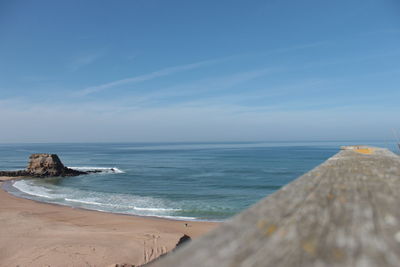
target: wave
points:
(107, 202)
(156, 209)
(120, 206)
(26, 188)
(101, 169)
(178, 218)
(83, 201)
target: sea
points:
(181, 181)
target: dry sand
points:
(40, 234)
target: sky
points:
(181, 71)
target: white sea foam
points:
(121, 206)
(101, 169)
(101, 201)
(83, 201)
(156, 209)
(177, 218)
(25, 187)
(145, 206)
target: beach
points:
(41, 234)
(164, 191)
(184, 181)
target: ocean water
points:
(191, 181)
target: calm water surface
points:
(195, 181)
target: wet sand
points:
(40, 234)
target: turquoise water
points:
(193, 181)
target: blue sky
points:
(146, 70)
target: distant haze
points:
(154, 71)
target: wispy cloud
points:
(186, 67)
(84, 60)
(275, 95)
(146, 77)
(189, 93)
(211, 84)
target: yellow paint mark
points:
(266, 228)
(309, 247)
(271, 229)
(367, 151)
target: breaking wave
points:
(106, 170)
(101, 201)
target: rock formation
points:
(49, 165)
(182, 240)
(44, 165)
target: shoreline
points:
(11, 179)
(37, 233)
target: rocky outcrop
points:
(182, 240)
(43, 165)
(14, 173)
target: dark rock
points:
(182, 240)
(44, 165)
(14, 173)
(93, 171)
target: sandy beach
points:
(40, 234)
